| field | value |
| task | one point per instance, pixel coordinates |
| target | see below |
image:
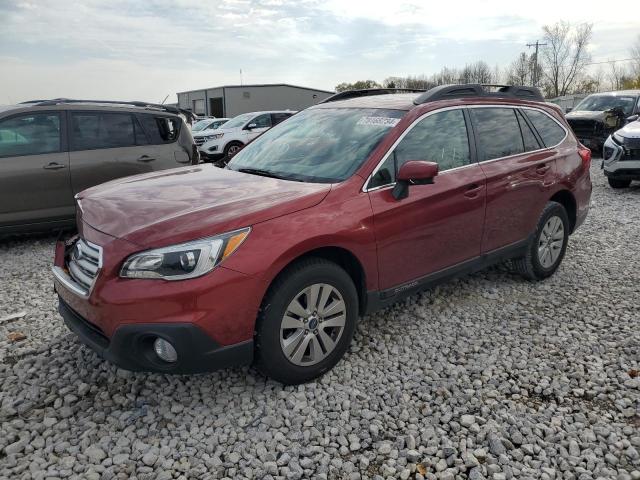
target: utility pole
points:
(535, 61)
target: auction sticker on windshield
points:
(378, 121)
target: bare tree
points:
(617, 75)
(477, 72)
(565, 56)
(635, 54)
(518, 73)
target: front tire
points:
(230, 151)
(306, 321)
(548, 246)
(617, 183)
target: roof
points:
(619, 93)
(392, 101)
(258, 85)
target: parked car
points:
(621, 156)
(343, 209)
(201, 124)
(599, 115)
(237, 132)
(208, 132)
(52, 149)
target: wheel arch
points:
(568, 201)
(341, 256)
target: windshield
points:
(323, 145)
(239, 121)
(599, 103)
(200, 125)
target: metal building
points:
(232, 100)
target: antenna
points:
(165, 99)
(240, 77)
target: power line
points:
(613, 61)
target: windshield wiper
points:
(263, 173)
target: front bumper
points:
(617, 164)
(131, 346)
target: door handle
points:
(146, 159)
(473, 190)
(54, 166)
(542, 169)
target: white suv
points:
(226, 141)
(206, 132)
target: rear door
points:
(437, 226)
(163, 134)
(105, 146)
(34, 169)
(519, 171)
(279, 117)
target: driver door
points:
(256, 126)
(437, 226)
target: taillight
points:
(585, 155)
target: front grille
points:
(83, 263)
(632, 143)
(586, 128)
(630, 154)
(199, 140)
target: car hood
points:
(585, 115)
(630, 130)
(182, 204)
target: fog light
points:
(165, 350)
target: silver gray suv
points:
(52, 149)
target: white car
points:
(222, 144)
(205, 131)
(621, 156)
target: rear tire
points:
(548, 246)
(306, 321)
(617, 183)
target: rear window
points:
(498, 132)
(548, 129)
(160, 129)
(95, 130)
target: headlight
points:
(618, 138)
(186, 260)
(208, 138)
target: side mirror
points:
(251, 126)
(413, 172)
(568, 109)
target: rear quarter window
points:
(160, 129)
(548, 129)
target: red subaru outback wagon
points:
(336, 212)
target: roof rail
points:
(446, 92)
(167, 108)
(367, 92)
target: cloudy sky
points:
(116, 49)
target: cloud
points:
(144, 50)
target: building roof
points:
(392, 101)
(259, 85)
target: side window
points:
(440, 137)
(31, 134)
(548, 129)
(276, 118)
(141, 138)
(530, 141)
(497, 132)
(262, 121)
(160, 129)
(94, 130)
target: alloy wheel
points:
(550, 242)
(312, 324)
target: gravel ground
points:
(487, 377)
